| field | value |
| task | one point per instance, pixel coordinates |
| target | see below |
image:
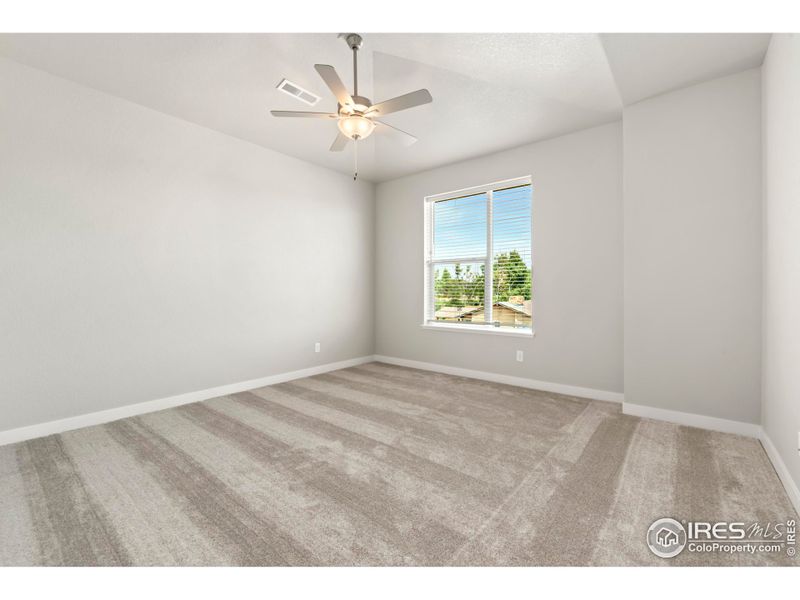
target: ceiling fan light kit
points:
(356, 115)
(356, 127)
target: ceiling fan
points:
(356, 116)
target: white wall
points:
(142, 256)
(577, 256)
(692, 186)
(781, 383)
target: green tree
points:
(511, 277)
(465, 287)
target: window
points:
(478, 247)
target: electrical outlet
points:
(519, 356)
(317, 347)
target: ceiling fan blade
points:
(406, 138)
(339, 143)
(303, 113)
(403, 102)
(334, 83)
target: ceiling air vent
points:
(296, 91)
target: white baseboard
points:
(545, 386)
(105, 416)
(21, 434)
(725, 426)
(692, 420)
(783, 472)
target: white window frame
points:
(428, 319)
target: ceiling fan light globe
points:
(356, 127)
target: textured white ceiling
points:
(647, 64)
(491, 91)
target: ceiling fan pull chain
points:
(355, 159)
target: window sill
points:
(482, 329)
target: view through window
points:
(478, 246)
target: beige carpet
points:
(377, 465)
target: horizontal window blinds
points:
(459, 258)
(511, 256)
(460, 227)
(478, 247)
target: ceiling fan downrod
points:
(355, 41)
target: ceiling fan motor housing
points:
(354, 41)
(360, 105)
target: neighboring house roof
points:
(454, 312)
(525, 308)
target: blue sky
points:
(460, 225)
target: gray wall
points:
(142, 256)
(692, 182)
(781, 383)
(577, 256)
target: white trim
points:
(692, 420)
(21, 434)
(470, 328)
(460, 259)
(725, 426)
(533, 384)
(488, 266)
(780, 468)
(478, 189)
(427, 272)
(429, 262)
(104, 416)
